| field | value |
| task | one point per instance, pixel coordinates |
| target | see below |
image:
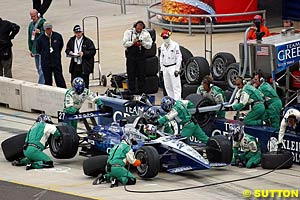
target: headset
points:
(139, 22)
(260, 76)
(39, 15)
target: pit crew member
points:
(36, 142)
(179, 110)
(76, 96)
(212, 92)
(272, 101)
(251, 153)
(119, 156)
(249, 95)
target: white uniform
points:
(284, 122)
(170, 61)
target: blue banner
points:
(287, 55)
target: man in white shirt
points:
(136, 40)
(170, 62)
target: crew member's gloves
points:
(176, 73)
(137, 163)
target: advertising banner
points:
(287, 55)
(208, 7)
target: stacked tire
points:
(224, 70)
(151, 66)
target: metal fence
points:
(130, 2)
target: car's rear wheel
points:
(219, 149)
(150, 162)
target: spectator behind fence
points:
(49, 46)
(8, 31)
(36, 29)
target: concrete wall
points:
(33, 97)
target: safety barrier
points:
(33, 97)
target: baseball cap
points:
(165, 34)
(47, 25)
(77, 28)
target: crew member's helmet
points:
(238, 132)
(78, 85)
(128, 138)
(44, 118)
(257, 19)
(152, 114)
(167, 103)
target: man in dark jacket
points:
(40, 6)
(8, 31)
(49, 46)
(82, 51)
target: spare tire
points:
(219, 149)
(186, 55)
(149, 158)
(219, 64)
(196, 69)
(199, 101)
(13, 147)
(95, 165)
(66, 145)
(274, 160)
(231, 75)
(152, 33)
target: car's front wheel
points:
(150, 162)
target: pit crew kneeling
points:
(251, 153)
(36, 142)
(119, 156)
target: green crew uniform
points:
(180, 112)
(35, 143)
(273, 104)
(216, 95)
(119, 155)
(249, 95)
(251, 155)
(73, 102)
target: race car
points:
(166, 152)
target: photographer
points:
(136, 40)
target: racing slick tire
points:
(196, 69)
(219, 149)
(95, 165)
(13, 147)
(152, 33)
(66, 145)
(219, 64)
(149, 158)
(151, 66)
(274, 160)
(232, 73)
(186, 55)
(151, 52)
(199, 101)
